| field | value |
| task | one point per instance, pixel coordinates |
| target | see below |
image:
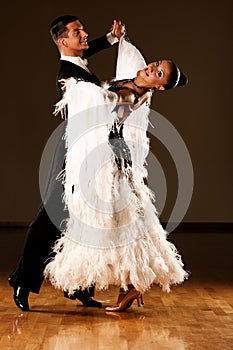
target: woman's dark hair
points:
(177, 78)
(58, 26)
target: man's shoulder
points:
(68, 64)
(67, 69)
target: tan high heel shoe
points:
(122, 293)
(127, 301)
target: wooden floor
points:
(196, 315)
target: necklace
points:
(139, 87)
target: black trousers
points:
(45, 229)
(41, 236)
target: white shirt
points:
(83, 62)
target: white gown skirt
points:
(113, 235)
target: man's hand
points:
(142, 99)
(126, 107)
(64, 83)
(117, 29)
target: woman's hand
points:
(64, 83)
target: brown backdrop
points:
(196, 35)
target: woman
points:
(113, 235)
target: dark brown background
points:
(196, 35)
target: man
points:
(71, 39)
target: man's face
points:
(76, 40)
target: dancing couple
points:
(112, 234)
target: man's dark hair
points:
(58, 26)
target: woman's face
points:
(156, 74)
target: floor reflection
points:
(16, 325)
(94, 330)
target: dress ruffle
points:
(150, 259)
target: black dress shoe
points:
(91, 302)
(11, 281)
(21, 298)
(83, 297)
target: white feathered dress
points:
(113, 235)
